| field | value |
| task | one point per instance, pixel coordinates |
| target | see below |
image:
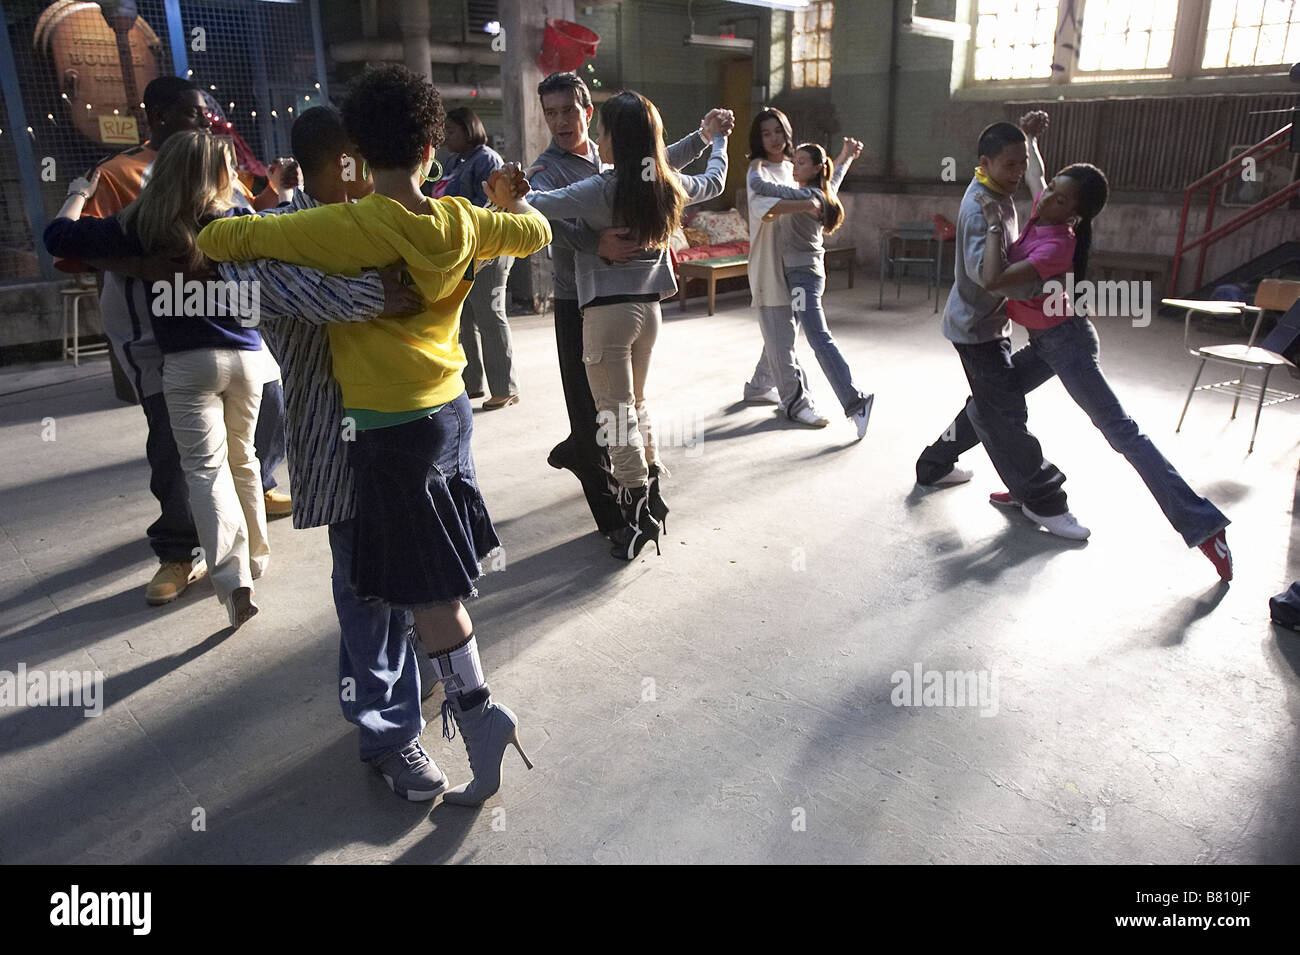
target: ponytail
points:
(1093, 192)
(832, 209)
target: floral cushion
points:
(721, 227)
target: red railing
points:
(1224, 174)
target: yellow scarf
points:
(983, 179)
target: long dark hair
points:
(756, 150)
(1093, 192)
(648, 196)
(833, 210)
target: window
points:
(1251, 33)
(1030, 43)
(1014, 39)
(1127, 36)
(810, 45)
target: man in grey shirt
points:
(975, 321)
(572, 157)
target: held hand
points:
(1034, 123)
(284, 173)
(83, 185)
(616, 247)
(399, 299)
(850, 151)
(499, 189)
(718, 122)
(818, 204)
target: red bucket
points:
(565, 46)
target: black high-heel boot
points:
(655, 500)
(638, 529)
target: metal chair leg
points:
(1258, 408)
(1191, 391)
(76, 331)
(1236, 399)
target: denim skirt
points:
(422, 529)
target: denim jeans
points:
(1001, 421)
(270, 437)
(806, 288)
(377, 653)
(938, 459)
(1071, 349)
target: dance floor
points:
(826, 664)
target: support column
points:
(415, 37)
(523, 23)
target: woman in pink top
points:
(1056, 241)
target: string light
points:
(232, 105)
(189, 72)
(31, 132)
(289, 109)
(213, 87)
(253, 113)
(306, 99)
(317, 86)
(114, 112)
(87, 106)
(274, 114)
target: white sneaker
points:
(1062, 525)
(958, 475)
(769, 397)
(810, 416)
(862, 417)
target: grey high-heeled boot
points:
(487, 729)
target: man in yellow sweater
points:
(422, 528)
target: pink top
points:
(1051, 250)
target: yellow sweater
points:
(389, 364)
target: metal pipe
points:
(358, 51)
(415, 37)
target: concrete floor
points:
(729, 701)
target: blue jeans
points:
(269, 437)
(806, 288)
(1071, 349)
(377, 653)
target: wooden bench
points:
(734, 266)
(1143, 266)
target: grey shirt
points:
(562, 168)
(974, 315)
(799, 235)
(591, 202)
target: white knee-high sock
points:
(459, 669)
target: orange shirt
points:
(121, 178)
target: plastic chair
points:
(1272, 295)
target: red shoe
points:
(1003, 499)
(1216, 548)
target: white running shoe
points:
(862, 417)
(958, 475)
(810, 416)
(1062, 525)
(769, 397)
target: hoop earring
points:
(365, 171)
(430, 175)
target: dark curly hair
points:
(392, 114)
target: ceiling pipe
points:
(375, 51)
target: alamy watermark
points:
(1106, 299)
(84, 688)
(956, 688)
(674, 428)
(240, 299)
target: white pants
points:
(212, 398)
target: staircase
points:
(1214, 181)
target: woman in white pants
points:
(214, 363)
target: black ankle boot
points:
(638, 527)
(655, 500)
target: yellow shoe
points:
(170, 581)
(277, 504)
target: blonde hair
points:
(189, 179)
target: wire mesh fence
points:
(73, 75)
